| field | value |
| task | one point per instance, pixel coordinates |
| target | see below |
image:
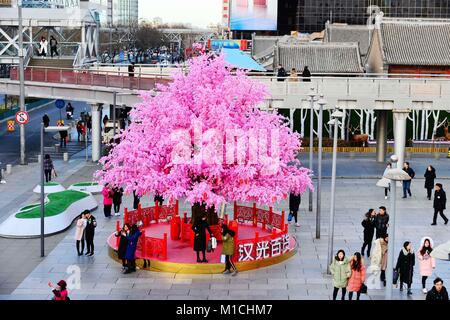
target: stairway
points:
(48, 62)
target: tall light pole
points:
(321, 103)
(335, 120)
(395, 174)
(114, 114)
(22, 83)
(312, 99)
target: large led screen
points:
(253, 14)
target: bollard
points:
(8, 168)
(66, 156)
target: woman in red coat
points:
(358, 276)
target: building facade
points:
(125, 12)
(311, 15)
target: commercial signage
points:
(229, 44)
(263, 249)
(254, 15)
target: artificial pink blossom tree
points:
(204, 138)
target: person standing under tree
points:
(426, 262)
(405, 266)
(439, 205)
(294, 204)
(107, 200)
(430, 175)
(123, 244)
(130, 254)
(117, 200)
(407, 183)
(91, 224)
(228, 249)
(199, 228)
(53, 46)
(341, 271)
(369, 229)
(136, 200)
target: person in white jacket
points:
(79, 233)
(43, 47)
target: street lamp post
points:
(335, 120)
(395, 174)
(43, 130)
(22, 83)
(312, 99)
(114, 114)
(321, 103)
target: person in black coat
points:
(381, 222)
(306, 75)
(63, 138)
(158, 198)
(405, 266)
(407, 183)
(117, 200)
(123, 242)
(439, 292)
(89, 232)
(46, 120)
(136, 200)
(430, 175)
(440, 202)
(200, 237)
(294, 204)
(369, 230)
(281, 73)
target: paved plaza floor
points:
(299, 278)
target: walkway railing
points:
(122, 80)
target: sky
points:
(197, 12)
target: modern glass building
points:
(311, 15)
(125, 12)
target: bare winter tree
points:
(148, 37)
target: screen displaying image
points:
(254, 15)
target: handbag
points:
(209, 248)
(54, 174)
(222, 258)
(290, 217)
(213, 243)
(395, 277)
(363, 289)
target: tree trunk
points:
(199, 210)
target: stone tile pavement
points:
(301, 277)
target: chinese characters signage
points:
(263, 249)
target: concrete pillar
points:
(382, 135)
(400, 117)
(96, 132)
(291, 118)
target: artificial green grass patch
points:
(51, 184)
(57, 203)
(30, 207)
(85, 184)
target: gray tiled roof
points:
(350, 33)
(417, 42)
(320, 57)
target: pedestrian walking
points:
(60, 291)
(293, 77)
(294, 205)
(123, 244)
(107, 200)
(407, 183)
(105, 120)
(199, 229)
(438, 292)
(91, 224)
(46, 120)
(405, 266)
(430, 175)
(63, 134)
(426, 262)
(136, 200)
(131, 68)
(79, 233)
(81, 130)
(439, 205)
(381, 222)
(53, 46)
(341, 271)
(117, 200)
(43, 47)
(281, 73)
(48, 168)
(388, 189)
(130, 254)
(369, 230)
(379, 257)
(228, 250)
(358, 276)
(306, 75)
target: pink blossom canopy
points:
(164, 130)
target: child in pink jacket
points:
(426, 261)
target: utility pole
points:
(22, 84)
